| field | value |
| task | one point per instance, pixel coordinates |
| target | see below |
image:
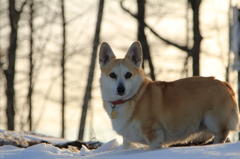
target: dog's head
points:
(120, 78)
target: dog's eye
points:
(113, 75)
(128, 75)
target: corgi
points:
(159, 113)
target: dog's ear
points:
(105, 54)
(135, 53)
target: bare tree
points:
(142, 36)
(88, 89)
(31, 64)
(185, 71)
(63, 66)
(229, 46)
(197, 38)
(194, 52)
(9, 72)
(140, 16)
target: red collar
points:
(118, 102)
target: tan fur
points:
(163, 113)
(180, 107)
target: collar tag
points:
(113, 104)
(114, 114)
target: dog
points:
(159, 113)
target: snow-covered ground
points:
(112, 149)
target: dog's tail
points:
(233, 122)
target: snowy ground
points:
(112, 149)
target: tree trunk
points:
(185, 65)
(9, 73)
(88, 90)
(197, 38)
(227, 77)
(63, 67)
(142, 37)
(31, 65)
(238, 52)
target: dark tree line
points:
(10, 63)
(142, 25)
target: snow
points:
(113, 150)
(230, 150)
(39, 151)
(31, 136)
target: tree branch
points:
(183, 48)
(128, 11)
(22, 6)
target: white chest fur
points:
(123, 125)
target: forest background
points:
(49, 78)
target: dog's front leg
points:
(155, 139)
(126, 143)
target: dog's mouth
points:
(121, 94)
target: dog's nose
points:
(121, 89)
